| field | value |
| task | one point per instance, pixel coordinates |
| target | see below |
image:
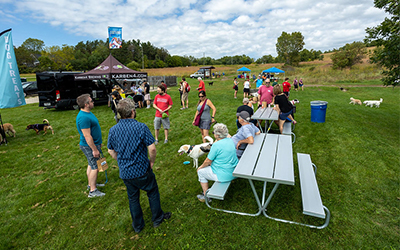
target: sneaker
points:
(182, 108)
(156, 142)
(95, 193)
(148, 107)
(97, 185)
(166, 141)
(167, 216)
(202, 198)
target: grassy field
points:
(44, 202)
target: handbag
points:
(198, 117)
(102, 163)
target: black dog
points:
(39, 127)
(210, 83)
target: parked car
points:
(30, 88)
(196, 75)
(59, 89)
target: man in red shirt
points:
(162, 103)
(286, 87)
(201, 85)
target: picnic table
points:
(268, 115)
(270, 159)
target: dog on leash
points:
(210, 83)
(194, 151)
(41, 127)
(372, 103)
(8, 129)
(354, 101)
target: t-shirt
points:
(224, 159)
(246, 84)
(130, 139)
(283, 103)
(259, 82)
(266, 94)
(286, 86)
(201, 86)
(244, 132)
(147, 88)
(162, 101)
(88, 120)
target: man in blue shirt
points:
(129, 142)
(245, 134)
(90, 141)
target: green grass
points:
(44, 202)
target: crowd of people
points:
(133, 146)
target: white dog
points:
(354, 101)
(295, 101)
(194, 151)
(372, 103)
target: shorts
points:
(235, 88)
(205, 124)
(286, 93)
(92, 161)
(138, 98)
(159, 120)
(296, 86)
(147, 97)
(283, 116)
(206, 174)
(246, 90)
(185, 96)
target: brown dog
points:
(8, 129)
(39, 127)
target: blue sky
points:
(215, 28)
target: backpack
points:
(187, 87)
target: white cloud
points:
(215, 27)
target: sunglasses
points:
(200, 96)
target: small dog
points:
(295, 101)
(194, 151)
(372, 103)
(39, 127)
(354, 101)
(8, 129)
(210, 83)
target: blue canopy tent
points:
(244, 69)
(273, 70)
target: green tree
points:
(386, 37)
(289, 46)
(265, 59)
(348, 55)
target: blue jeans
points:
(147, 183)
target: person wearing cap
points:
(202, 86)
(245, 134)
(247, 106)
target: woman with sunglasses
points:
(206, 119)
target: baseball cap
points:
(244, 115)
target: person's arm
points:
(152, 153)
(207, 162)
(113, 153)
(90, 142)
(155, 106)
(169, 107)
(248, 140)
(209, 103)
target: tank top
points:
(205, 116)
